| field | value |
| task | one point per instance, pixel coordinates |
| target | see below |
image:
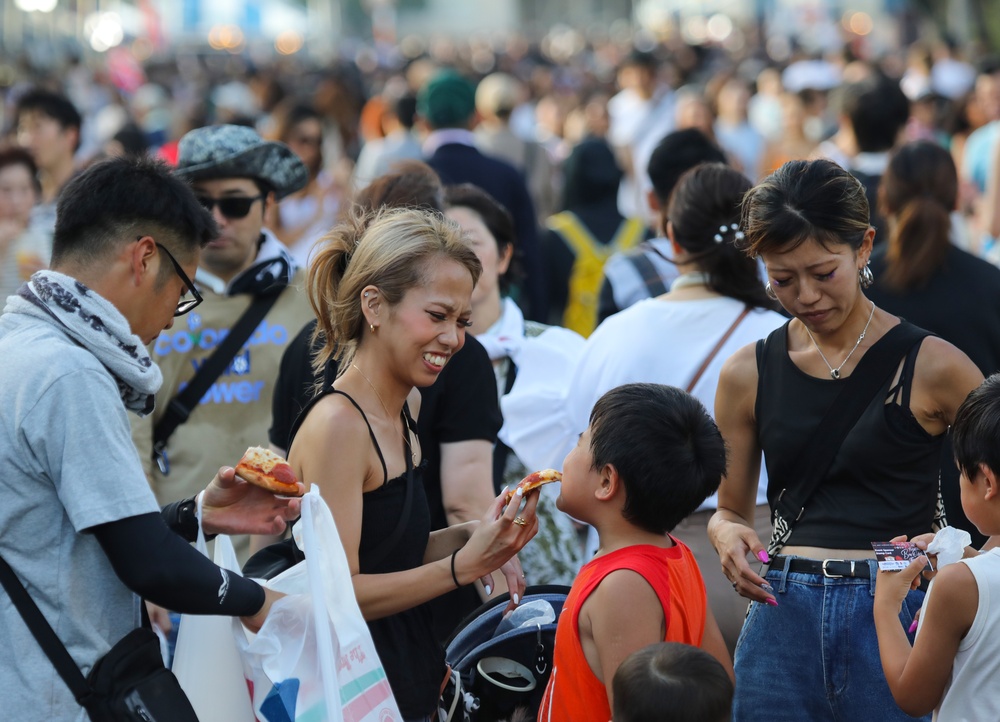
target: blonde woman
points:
(393, 298)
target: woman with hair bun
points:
(849, 405)
(392, 297)
(920, 275)
(681, 338)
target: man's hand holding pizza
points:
(231, 505)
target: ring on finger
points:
(520, 521)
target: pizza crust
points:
(533, 481)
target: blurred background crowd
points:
(766, 81)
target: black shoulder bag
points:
(813, 462)
(181, 406)
(128, 684)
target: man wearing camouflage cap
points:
(244, 274)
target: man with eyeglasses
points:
(82, 531)
(238, 177)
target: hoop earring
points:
(770, 291)
(372, 327)
(865, 276)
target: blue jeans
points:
(815, 656)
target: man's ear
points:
(140, 256)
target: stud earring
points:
(366, 294)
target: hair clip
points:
(718, 238)
(722, 229)
(734, 227)
(739, 236)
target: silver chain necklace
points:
(835, 372)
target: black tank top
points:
(412, 657)
(883, 481)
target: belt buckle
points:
(830, 575)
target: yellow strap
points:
(588, 267)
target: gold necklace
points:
(406, 428)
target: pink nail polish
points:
(773, 602)
(913, 627)
(764, 558)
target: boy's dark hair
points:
(672, 682)
(52, 105)
(976, 429)
(116, 200)
(878, 109)
(667, 450)
(495, 217)
(676, 154)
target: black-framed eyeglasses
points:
(232, 207)
(185, 304)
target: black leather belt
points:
(830, 568)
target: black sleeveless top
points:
(412, 657)
(883, 481)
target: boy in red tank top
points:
(650, 457)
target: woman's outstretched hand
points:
(493, 546)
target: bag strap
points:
(715, 351)
(42, 631)
(872, 372)
(181, 406)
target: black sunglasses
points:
(184, 304)
(231, 206)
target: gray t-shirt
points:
(68, 465)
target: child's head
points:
(974, 438)
(672, 682)
(663, 446)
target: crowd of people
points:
(746, 308)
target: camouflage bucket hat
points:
(235, 151)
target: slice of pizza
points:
(262, 467)
(533, 481)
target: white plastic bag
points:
(313, 659)
(206, 662)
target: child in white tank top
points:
(954, 663)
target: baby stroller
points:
(501, 665)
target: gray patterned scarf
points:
(95, 324)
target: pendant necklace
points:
(406, 428)
(835, 372)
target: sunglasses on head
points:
(230, 206)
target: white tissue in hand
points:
(949, 545)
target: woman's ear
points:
(867, 243)
(503, 262)
(371, 302)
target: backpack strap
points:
(183, 404)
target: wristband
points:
(454, 577)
